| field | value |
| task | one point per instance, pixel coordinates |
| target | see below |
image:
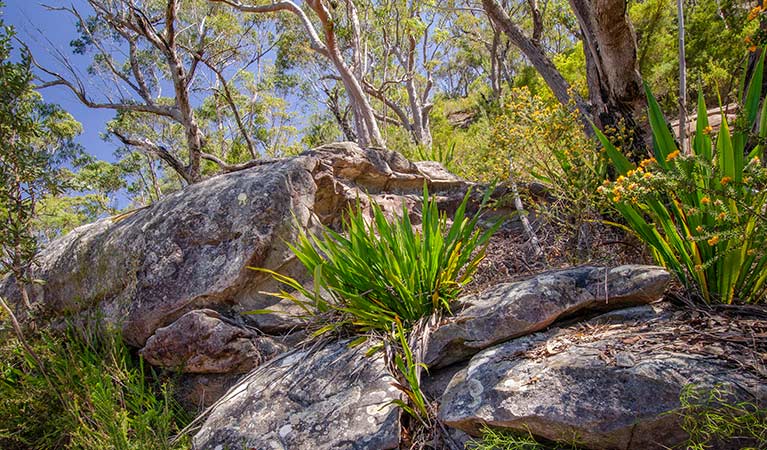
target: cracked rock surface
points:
(510, 310)
(610, 383)
(145, 269)
(332, 398)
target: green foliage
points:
(387, 271)
(546, 143)
(35, 141)
(439, 153)
(100, 397)
(701, 214)
(715, 41)
(510, 440)
(711, 418)
(385, 276)
(467, 149)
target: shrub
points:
(98, 397)
(702, 214)
(547, 144)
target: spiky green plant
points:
(385, 276)
(703, 214)
(375, 274)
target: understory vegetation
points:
(702, 212)
(89, 393)
(508, 93)
(386, 278)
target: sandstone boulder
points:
(203, 341)
(145, 269)
(331, 398)
(510, 310)
(610, 383)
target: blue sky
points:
(46, 32)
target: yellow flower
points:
(673, 155)
(699, 229)
(713, 241)
(708, 130)
(617, 198)
(630, 173)
(721, 216)
(620, 179)
(725, 180)
(647, 176)
(705, 200)
(754, 12)
(751, 252)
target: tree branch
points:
(227, 168)
(159, 151)
(284, 5)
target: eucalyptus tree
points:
(615, 94)
(405, 44)
(327, 43)
(157, 63)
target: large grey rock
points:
(511, 310)
(332, 398)
(144, 269)
(611, 383)
(203, 341)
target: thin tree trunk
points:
(535, 245)
(682, 78)
(543, 65)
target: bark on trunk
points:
(538, 58)
(615, 86)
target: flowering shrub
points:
(546, 143)
(702, 214)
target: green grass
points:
(493, 439)
(100, 397)
(711, 418)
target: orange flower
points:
(713, 241)
(705, 200)
(647, 162)
(725, 180)
(672, 156)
